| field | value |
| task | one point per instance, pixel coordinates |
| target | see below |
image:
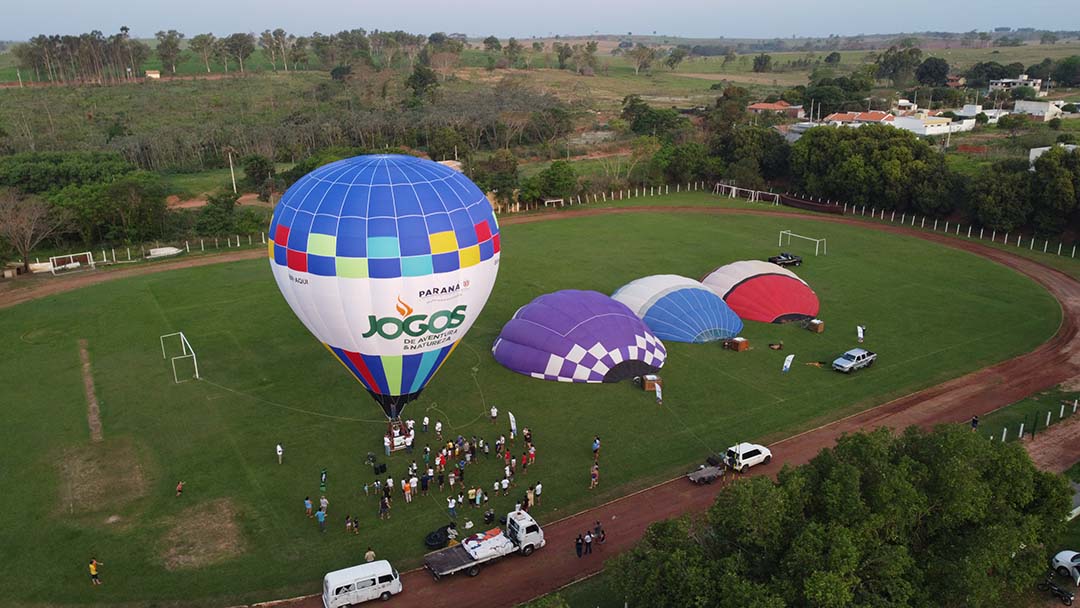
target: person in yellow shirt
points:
(94, 571)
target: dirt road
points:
(512, 581)
(1056, 448)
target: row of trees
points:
(940, 518)
(91, 57)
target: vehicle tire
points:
(473, 571)
(798, 263)
(870, 363)
(744, 469)
(385, 596)
(1067, 601)
(1063, 571)
(767, 460)
(527, 550)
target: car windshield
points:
(848, 357)
(731, 453)
(1076, 558)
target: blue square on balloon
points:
(352, 237)
(384, 269)
(429, 200)
(281, 255)
(383, 226)
(405, 201)
(463, 228)
(445, 262)
(417, 266)
(309, 201)
(439, 222)
(298, 232)
(325, 224)
(285, 215)
(413, 236)
(381, 202)
(487, 249)
(355, 201)
(320, 265)
(331, 203)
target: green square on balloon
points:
(352, 268)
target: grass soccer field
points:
(239, 533)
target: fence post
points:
(922, 224)
(935, 225)
(1073, 252)
(1045, 245)
(129, 253)
(1061, 414)
(958, 229)
(1019, 237)
(1032, 246)
(187, 246)
(677, 186)
(667, 188)
(1006, 239)
(249, 239)
(969, 231)
(864, 210)
(215, 242)
(981, 233)
(202, 245)
(1075, 402)
(845, 208)
(903, 218)
(1003, 432)
(1059, 248)
(892, 218)
(262, 238)
(1021, 435)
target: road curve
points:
(512, 581)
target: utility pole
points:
(19, 74)
(232, 173)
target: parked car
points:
(786, 259)
(1067, 563)
(523, 535)
(853, 360)
(742, 456)
(366, 582)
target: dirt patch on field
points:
(248, 199)
(93, 412)
(100, 477)
(202, 535)
(1058, 447)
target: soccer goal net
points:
(819, 244)
(175, 347)
(72, 262)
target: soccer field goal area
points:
(820, 245)
(72, 262)
(169, 343)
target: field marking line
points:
(93, 410)
(289, 407)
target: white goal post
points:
(71, 262)
(188, 353)
(819, 244)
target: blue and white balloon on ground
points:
(388, 260)
(679, 309)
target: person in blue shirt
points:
(320, 516)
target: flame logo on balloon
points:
(403, 309)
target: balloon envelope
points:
(679, 309)
(388, 260)
(578, 336)
(763, 291)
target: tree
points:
(1067, 72)
(833, 58)
(562, 53)
(257, 169)
(1023, 93)
(1001, 197)
(1055, 188)
(204, 45)
(269, 47)
(217, 217)
(558, 181)
(168, 48)
(763, 63)
(492, 44)
(283, 42)
(498, 174)
(514, 51)
(899, 64)
(675, 57)
(933, 72)
(423, 81)
(642, 56)
(872, 521)
(239, 46)
(298, 53)
(1048, 38)
(26, 221)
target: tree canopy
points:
(940, 518)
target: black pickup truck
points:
(786, 259)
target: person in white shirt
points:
(539, 488)
(425, 424)
(505, 486)
(494, 414)
(280, 453)
(451, 504)
(386, 444)
(410, 424)
(438, 429)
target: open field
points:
(268, 381)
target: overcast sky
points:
(20, 19)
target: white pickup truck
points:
(523, 535)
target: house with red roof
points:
(780, 107)
(848, 118)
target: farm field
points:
(267, 381)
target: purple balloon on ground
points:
(578, 336)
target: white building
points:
(932, 125)
(972, 110)
(1037, 152)
(1039, 110)
(1008, 84)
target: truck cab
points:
(524, 532)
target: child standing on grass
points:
(307, 506)
(94, 564)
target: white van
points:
(377, 580)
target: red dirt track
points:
(512, 581)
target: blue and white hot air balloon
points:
(679, 309)
(388, 260)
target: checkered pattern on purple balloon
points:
(580, 365)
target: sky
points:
(21, 19)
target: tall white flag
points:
(513, 422)
(787, 362)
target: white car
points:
(745, 455)
(1067, 563)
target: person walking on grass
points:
(579, 545)
(94, 565)
(596, 449)
(539, 489)
(424, 424)
(320, 516)
(974, 423)
(280, 453)
(384, 508)
(307, 507)
(370, 555)
(494, 414)
(594, 476)
(451, 506)
(406, 489)
(530, 498)
(438, 430)
(324, 504)
(179, 489)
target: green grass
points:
(267, 380)
(199, 184)
(1030, 411)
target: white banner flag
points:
(513, 422)
(787, 362)
(860, 329)
(659, 393)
